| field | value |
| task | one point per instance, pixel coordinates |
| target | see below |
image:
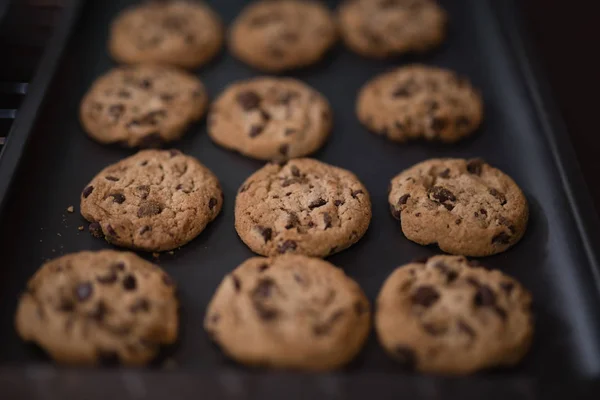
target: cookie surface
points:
(281, 35)
(384, 28)
(292, 312)
(99, 307)
(305, 207)
(446, 316)
(467, 207)
(420, 102)
(183, 33)
(155, 200)
(270, 118)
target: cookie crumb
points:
(70, 209)
(156, 255)
(171, 253)
(81, 228)
(58, 234)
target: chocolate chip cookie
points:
(155, 200)
(102, 307)
(291, 312)
(270, 118)
(384, 28)
(304, 206)
(281, 35)
(448, 316)
(183, 33)
(467, 207)
(143, 105)
(418, 101)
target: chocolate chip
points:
(451, 275)
(284, 149)
(87, 191)
(506, 222)
(466, 328)
(324, 328)
(355, 193)
(111, 231)
(265, 115)
(320, 202)
(111, 277)
(166, 97)
(263, 267)
(237, 284)
(96, 230)
(473, 281)
(403, 199)
(66, 306)
(145, 83)
(212, 203)
(116, 110)
(111, 178)
(124, 94)
(360, 308)
(434, 330)
(402, 90)
(327, 220)
(406, 357)
(475, 166)
(501, 238)
(498, 195)
(118, 198)
(295, 171)
(484, 297)
(263, 290)
(425, 296)
(108, 358)
(286, 97)
(174, 153)
(458, 221)
(289, 132)
(483, 212)
(442, 196)
(395, 213)
(287, 246)
(255, 130)
(140, 305)
(265, 232)
(144, 191)
(500, 311)
(129, 283)
(149, 209)
(438, 124)
(99, 311)
(120, 266)
(248, 100)
(311, 224)
(507, 287)
(292, 220)
(83, 291)
(338, 203)
(146, 228)
(445, 173)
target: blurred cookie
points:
(305, 207)
(270, 118)
(102, 307)
(183, 33)
(281, 35)
(384, 28)
(446, 316)
(466, 207)
(155, 200)
(420, 102)
(142, 105)
(291, 312)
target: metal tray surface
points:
(52, 160)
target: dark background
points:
(566, 38)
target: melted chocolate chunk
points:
(149, 209)
(87, 191)
(484, 297)
(287, 246)
(129, 283)
(265, 232)
(425, 296)
(317, 203)
(248, 100)
(475, 166)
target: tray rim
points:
(43, 381)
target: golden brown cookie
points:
(446, 315)
(102, 307)
(466, 207)
(304, 207)
(291, 312)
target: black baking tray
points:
(48, 160)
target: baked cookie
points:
(447, 316)
(291, 312)
(281, 35)
(270, 118)
(384, 28)
(420, 102)
(183, 33)
(467, 207)
(304, 206)
(155, 200)
(142, 105)
(99, 307)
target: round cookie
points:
(420, 102)
(467, 207)
(102, 307)
(275, 36)
(155, 200)
(447, 316)
(291, 312)
(385, 28)
(304, 206)
(183, 33)
(270, 118)
(143, 105)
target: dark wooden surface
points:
(566, 36)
